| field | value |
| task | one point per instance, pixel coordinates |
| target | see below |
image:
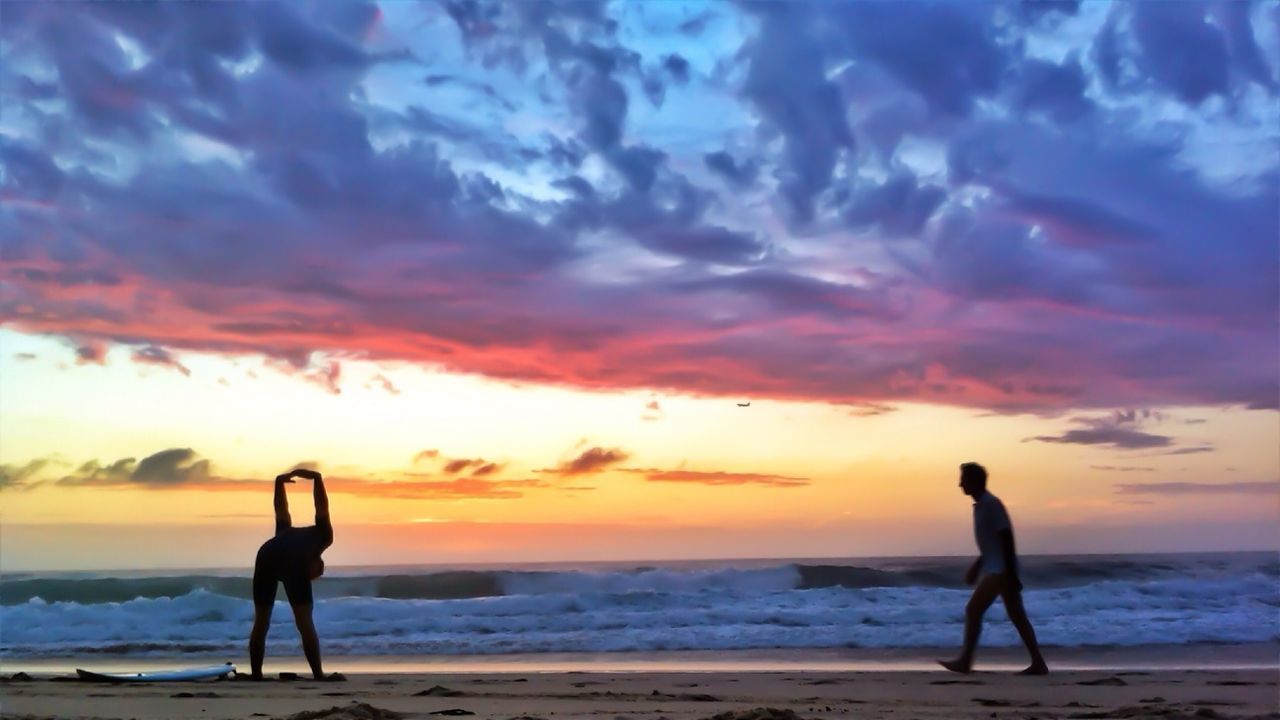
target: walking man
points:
(993, 574)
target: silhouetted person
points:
(995, 573)
(293, 558)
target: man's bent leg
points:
(310, 641)
(1018, 615)
(987, 590)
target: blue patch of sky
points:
(496, 111)
(701, 115)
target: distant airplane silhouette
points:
(745, 404)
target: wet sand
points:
(686, 695)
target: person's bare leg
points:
(1018, 615)
(985, 593)
(258, 638)
(310, 641)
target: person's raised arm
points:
(322, 503)
(283, 522)
(321, 498)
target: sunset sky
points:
(505, 272)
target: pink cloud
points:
(720, 478)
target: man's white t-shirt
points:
(989, 518)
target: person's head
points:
(315, 568)
(973, 479)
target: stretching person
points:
(995, 573)
(291, 557)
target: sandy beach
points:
(686, 695)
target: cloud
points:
(183, 469)
(153, 355)
(591, 461)
(1057, 90)
(172, 469)
(425, 455)
(903, 203)
(949, 55)
(898, 206)
(1168, 34)
(1266, 487)
(719, 477)
(1124, 438)
(787, 84)
(1189, 450)
(24, 356)
(1122, 468)
(652, 411)
(327, 377)
(677, 67)
(697, 24)
(92, 473)
(461, 488)
(22, 477)
(1118, 430)
(738, 174)
(95, 353)
(871, 410)
(386, 384)
(456, 466)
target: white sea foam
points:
(659, 610)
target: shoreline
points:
(778, 695)
(1253, 656)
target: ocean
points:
(729, 605)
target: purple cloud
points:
(153, 355)
(1267, 487)
(874, 228)
(787, 84)
(738, 173)
(1118, 430)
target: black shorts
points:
(272, 567)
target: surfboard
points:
(199, 673)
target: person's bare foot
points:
(1036, 668)
(958, 665)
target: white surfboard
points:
(199, 673)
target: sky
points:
(550, 281)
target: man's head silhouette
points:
(973, 479)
